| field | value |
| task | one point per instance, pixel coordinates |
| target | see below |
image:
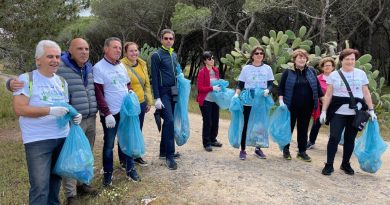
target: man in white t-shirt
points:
(111, 85)
(42, 138)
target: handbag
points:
(361, 117)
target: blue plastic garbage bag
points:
(130, 137)
(180, 116)
(279, 126)
(257, 129)
(370, 147)
(76, 158)
(236, 122)
(247, 96)
(342, 138)
(64, 120)
(223, 97)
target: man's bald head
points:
(79, 50)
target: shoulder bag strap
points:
(352, 98)
(137, 76)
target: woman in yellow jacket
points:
(139, 78)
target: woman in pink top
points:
(327, 66)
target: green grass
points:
(7, 115)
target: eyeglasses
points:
(211, 58)
(258, 53)
(168, 38)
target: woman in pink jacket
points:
(327, 66)
(209, 109)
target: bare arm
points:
(21, 107)
(367, 97)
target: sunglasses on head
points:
(259, 53)
(168, 38)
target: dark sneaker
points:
(171, 164)
(216, 144)
(303, 156)
(141, 162)
(242, 154)
(73, 200)
(208, 148)
(328, 169)
(346, 167)
(259, 153)
(107, 179)
(309, 145)
(175, 156)
(286, 154)
(86, 189)
(133, 175)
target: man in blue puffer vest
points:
(163, 64)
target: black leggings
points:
(247, 112)
(337, 125)
(300, 116)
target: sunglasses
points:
(258, 53)
(211, 58)
(168, 38)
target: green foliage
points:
(278, 47)
(6, 112)
(77, 28)
(187, 18)
(28, 22)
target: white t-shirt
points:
(114, 79)
(256, 77)
(45, 92)
(209, 96)
(356, 79)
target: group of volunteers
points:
(69, 77)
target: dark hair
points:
(347, 52)
(206, 55)
(165, 31)
(108, 41)
(254, 49)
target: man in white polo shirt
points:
(111, 85)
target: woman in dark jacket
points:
(299, 90)
(209, 109)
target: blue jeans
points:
(141, 116)
(167, 144)
(41, 157)
(108, 145)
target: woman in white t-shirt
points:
(339, 113)
(254, 75)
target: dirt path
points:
(219, 177)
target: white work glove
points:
(131, 91)
(216, 88)
(372, 115)
(281, 103)
(110, 121)
(266, 92)
(158, 104)
(58, 111)
(323, 117)
(77, 119)
(235, 95)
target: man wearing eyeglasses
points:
(163, 64)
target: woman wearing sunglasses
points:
(209, 109)
(299, 90)
(254, 75)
